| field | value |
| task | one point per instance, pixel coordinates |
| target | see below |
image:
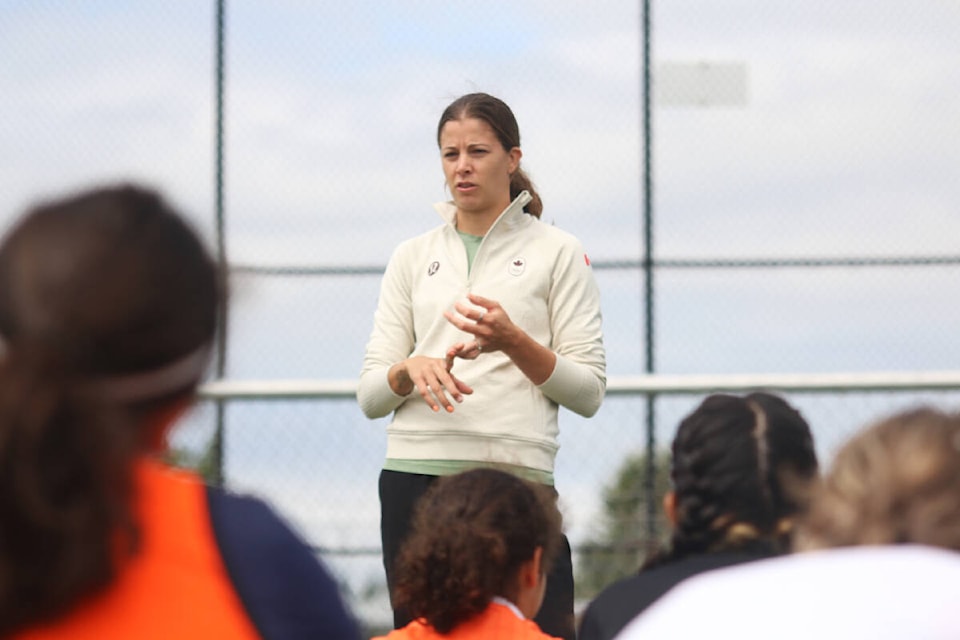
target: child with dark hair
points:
(108, 310)
(476, 561)
(740, 470)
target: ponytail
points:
(88, 356)
(520, 182)
(65, 517)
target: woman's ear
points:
(670, 507)
(515, 155)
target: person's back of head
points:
(108, 306)
(739, 468)
(877, 548)
(896, 482)
(472, 535)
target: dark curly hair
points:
(97, 290)
(471, 534)
(498, 115)
(740, 470)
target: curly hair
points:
(739, 469)
(95, 290)
(897, 481)
(471, 534)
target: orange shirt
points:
(496, 621)
(176, 587)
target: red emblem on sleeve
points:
(586, 259)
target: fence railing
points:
(658, 384)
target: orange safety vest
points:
(177, 585)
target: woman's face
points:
(476, 166)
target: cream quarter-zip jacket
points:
(542, 278)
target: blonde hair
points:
(896, 482)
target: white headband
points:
(144, 385)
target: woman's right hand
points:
(432, 378)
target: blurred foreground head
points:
(896, 482)
(104, 285)
(740, 470)
(108, 306)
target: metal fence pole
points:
(221, 356)
(648, 272)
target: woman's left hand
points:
(490, 326)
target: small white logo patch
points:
(517, 265)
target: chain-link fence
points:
(318, 460)
(802, 202)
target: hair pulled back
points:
(896, 482)
(498, 115)
(99, 293)
(739, 469)
(471, 534)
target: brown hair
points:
(98, 293)
(740, 466)
(898, 481)
(471, 534)
(498, 115)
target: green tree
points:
(203, 463)
(623, 542)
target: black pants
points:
(399, 493)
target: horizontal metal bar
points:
(665, 263)
(665, 384)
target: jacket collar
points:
(510, 216)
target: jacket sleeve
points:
(579, 380)
(391, 340)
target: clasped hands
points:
(433, 378)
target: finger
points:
(458, 321)
(463, 387)
(430, 387)
(480, 301)
(468, 355)
(436, 390)
(425, 393)
(470, 312)
(452, 353)
(446, 384)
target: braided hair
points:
(740, 467)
